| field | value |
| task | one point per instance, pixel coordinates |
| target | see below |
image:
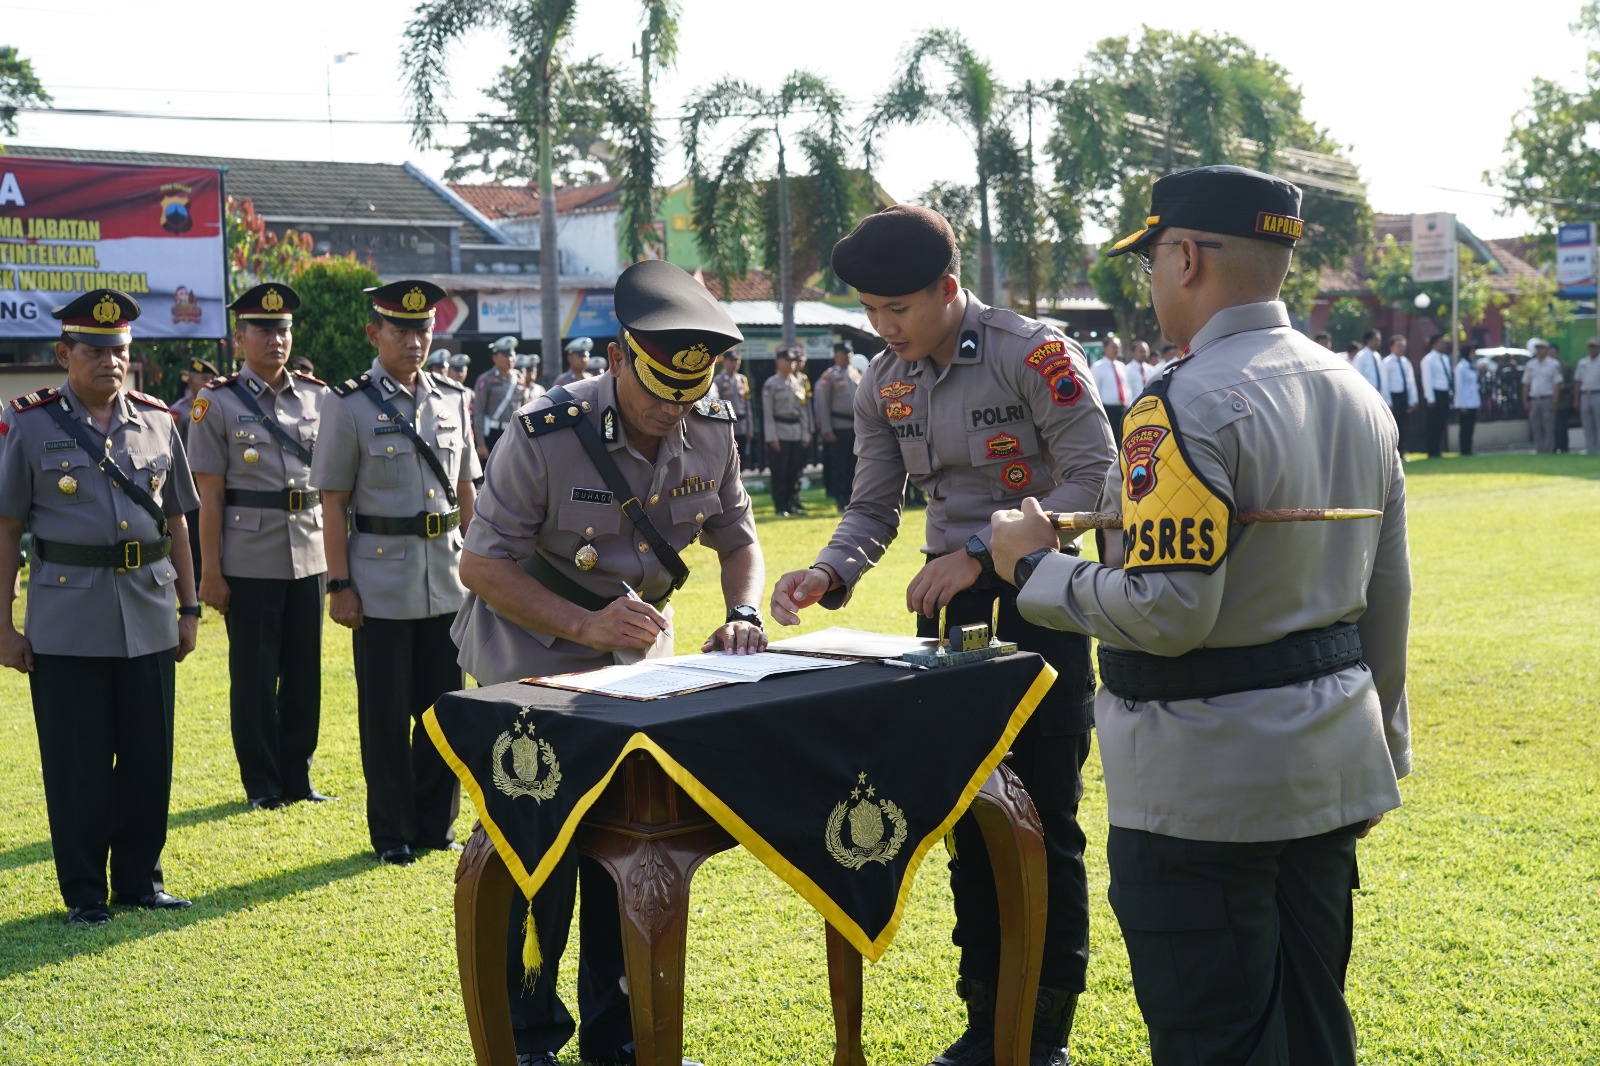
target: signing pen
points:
(632, 595)
(902, 664)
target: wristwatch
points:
(339, 584)
(192, 611)
(745, 613)
(980, 551)
(1026, 565)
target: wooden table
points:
(651, 837)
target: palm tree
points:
(537, 32)
(727, 212)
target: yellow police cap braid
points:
(682, 377)
(1172, 518)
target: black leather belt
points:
(279, 500)
(789, 420)
(540, 569)
(428, 524)
(126, 555)
(1207, 672)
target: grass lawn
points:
(1477, 923)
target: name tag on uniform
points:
(249, 418)
(591, 496)
(60, 445)
(378, 431)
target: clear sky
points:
(1422, 94)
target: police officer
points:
(981, 408)
(577, 354)
(101, 479)
(396, 462)
(733, 388)
(1253, 717)
(528, 366)
(495, 395)
(457, 368)
(261, 527)
(786, 425)
(199, 374)
(835, 418)
(438, 362)
(552, 557)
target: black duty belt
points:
(786, 420)
(428, 524)
(1207, 672)
(277, 500)
(126, 555)
(540, 569)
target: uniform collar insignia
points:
(253, 384)
(608, 425)
(388, 385)
(968, 348)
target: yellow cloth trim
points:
(105, 331)
(1129, 239)
(402, 314)
(285, 315)
(723, 815)
(1172, 519)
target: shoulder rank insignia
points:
(1172, 518)
(349, 385)
(544, 420)
(968, 348)
(147, 400)
(303, 376)
(34, 399)
(222, 382)
(717, 409)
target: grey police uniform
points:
(272, 557)
(1280, 765)
(786, 422)
(566, 377)
(409, 585)
(103, 636)
(496, 397)
(1015, 414)
(834, 402)
(734, 390)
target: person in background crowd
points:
(1140, 371)
(1467, 400)
(1541, 389)
(835, 423)
(1564, 406)
(1399, 387)
(528, 368)
(786, 420)
(1586, 379)
(438, 363)
(496, 394)
(1325, 339)
(1111, 383)
(1169, 355)
(458, 365)
(1367, 361)
(734, 388)
(301, 365)
(1437, 385)
(577, 354)
(200, 374)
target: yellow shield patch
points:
(1171, 518)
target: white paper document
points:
(654, 678)
(857, 643)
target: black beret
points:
(1222, 199)
(896, 251)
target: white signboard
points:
(498, 312)
(1433, 246)
(1575, 254)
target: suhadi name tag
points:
(1172, 519)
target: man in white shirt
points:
(1541, 392)
(1467, 400)
(1399, 386)
(1366, 360)
(1586, 376)
(1111, 382)
(1139, 369)
(1436, 389)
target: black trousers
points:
(1468, 419)
(787, 463)
(1048, 756)
(275, 677)
(192, 520)
(1114, 413)
(1239, 951)
(540, 1021)
(839, 460)
(1438, 425)
(402, 666)
(105, 745)
(1402, 416)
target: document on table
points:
(654, 678)
(855, 643)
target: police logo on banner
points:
(864, 813)
(527, 755)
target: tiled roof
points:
(757, 285)
(291, 189)
(1507, 254)
(522, 201)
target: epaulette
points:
(303, 376)
(223, 382)
(543, 420)
(1011, 322)
(149, 401)
(450, 383)
(351, 385)
(34, 399)
(722, 412)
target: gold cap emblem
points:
(272, 301)
(107, 311)
(692, 359)
(414, 300)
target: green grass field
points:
(1477, 924)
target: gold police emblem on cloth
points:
(251, 455)
(272, 301)
(896, 389)
(864, 812)
(526, 755)
(585, 557)
(107, 311)
(68, 484)
(414, 300)
(692, 359)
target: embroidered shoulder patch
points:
(1172, 519)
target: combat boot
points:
(975, 1047)
(1052, 1024)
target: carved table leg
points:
(483, 899)
(844, 988)
(1015, 839)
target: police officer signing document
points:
(981, 408)
(261, 529)
(100, 477)
(395, 454)
(570, 562)
(1252, 718)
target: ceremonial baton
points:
(1079, 520)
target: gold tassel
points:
(531, 959)
(950, 843)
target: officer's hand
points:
(344, 607)
(1372, 823)
(622, 623)
(15, 651)
(772, 446)
(938, 582)
(795, 591)
(214, 592)
(737, 638)
(1013, 534)
(830, 438)
(188, 636)
(483, 454)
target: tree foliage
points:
(1536, 311)
(1348, 319)
(958, 203)
(502, 145)
(1389, 278)
(19, 87)
(328, 327)
(256, 254)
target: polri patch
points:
(1065, 388)
(580, 495)
(896, 389)
(895, 410)
(1002, 445)
(1017, 475)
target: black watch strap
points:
(339, 584)
(191, 611)
(980, 551)
(1026, 565)
(745, 613)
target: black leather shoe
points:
(537, 1058)
(266, 803)
(310, 797)
(157, 901)
(623, 1056)
(400, 856)
(93, 914)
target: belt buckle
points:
(297, 500)
(132, 558)
(432, 524)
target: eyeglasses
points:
(1143, 255)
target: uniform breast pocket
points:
(391, 457)
(690, 513)
(70, 477)
(150, 472)
(447, 446)
(914, 450)
(589, 521)
(1006, 456)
